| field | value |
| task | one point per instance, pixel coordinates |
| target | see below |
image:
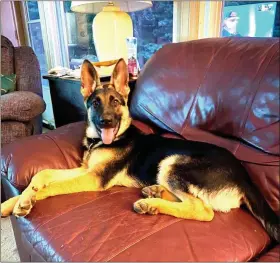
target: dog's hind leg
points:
(190, 208)
(159, 191)
(55, 182)
(185, 206)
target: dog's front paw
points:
(153, 191)
(24, 205)
(5, 209)
(142, 206)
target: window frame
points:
(56, 54)
(196, 19)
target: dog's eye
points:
(95, 104)
(116, 103)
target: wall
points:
(8, 26)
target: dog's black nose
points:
(106, 121)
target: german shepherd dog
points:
(185, 179)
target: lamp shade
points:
(94, 7)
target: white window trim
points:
(53, 41)
(180, 21)
(25, 18)
(196, 19)
(62, 24)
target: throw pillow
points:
(8, 83)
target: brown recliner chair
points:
(222, 91)
(21, 110)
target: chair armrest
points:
(58, 149)
(21, 106)
(27, 69)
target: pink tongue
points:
(107, 135)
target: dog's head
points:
(107, 110)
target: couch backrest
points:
(7, 56)
(227, 86)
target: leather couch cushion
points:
(101, 226)
(58, 149)
(228, 86)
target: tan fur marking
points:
(91, 131)
(55, 182)
(165, 168)
(223, 200)
(125, 120)
(159, 191)
(122, 179)
(100, 157)
(84, 183)
(192, 208)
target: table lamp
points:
(111, 26)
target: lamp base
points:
(110, 29)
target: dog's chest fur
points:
(109, 164)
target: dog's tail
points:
(262, 211)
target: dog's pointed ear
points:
(120, 78)
(89, 79)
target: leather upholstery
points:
(271, 256)
(58, 149)
(225, 86)
(213, 90)
(101, 226)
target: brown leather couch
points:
(223, 91)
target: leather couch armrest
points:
(58, 149)
(145, 128)
(21, 106)
(273, 255)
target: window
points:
(251, 18)
(79, 36)
(33, 21)
(68, 36)
(35, 36)
(153, 27)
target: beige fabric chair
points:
(21, 110)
